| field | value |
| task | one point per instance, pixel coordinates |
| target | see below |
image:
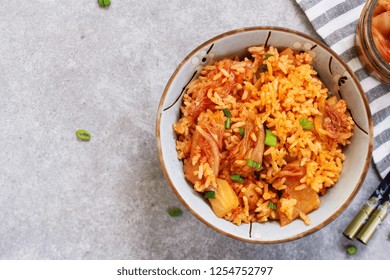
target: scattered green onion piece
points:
(237, 178)
(227, 113)
(388, 236)
(104, 3)
(174, 212)
(227, 123)
(270, 138)
(241, 131)
(351, 250)
(268, 55)
(272, 205)
(306, 124)
(253, 164)
(209, 194)
(83, 135)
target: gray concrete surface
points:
(67, 65)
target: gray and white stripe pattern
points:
(336, 22)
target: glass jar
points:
(369, 54)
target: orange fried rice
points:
(262, 137)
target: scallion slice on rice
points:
(241, 131)
(253, 164)
(237, 178)
(270, 138)
(227, 123)
(271, 205)
(209, 194)
(306, 124)
(227, 113)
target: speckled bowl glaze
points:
(336, 75)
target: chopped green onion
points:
(104, 3)
(270, 138)
(83, 135)
(306, 124)
(388, 236)
(209, 194)
(351, 250)
(268, 55)
(174, 212)
(227, 123)
(253, 164)
(237, 178)
(227, 113)
(272, 205)
(241, 131)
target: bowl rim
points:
(369, 133)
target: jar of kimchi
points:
(373, 38)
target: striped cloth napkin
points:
(336, 22)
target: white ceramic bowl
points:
(336, 75)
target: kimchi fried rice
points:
(261, 138)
